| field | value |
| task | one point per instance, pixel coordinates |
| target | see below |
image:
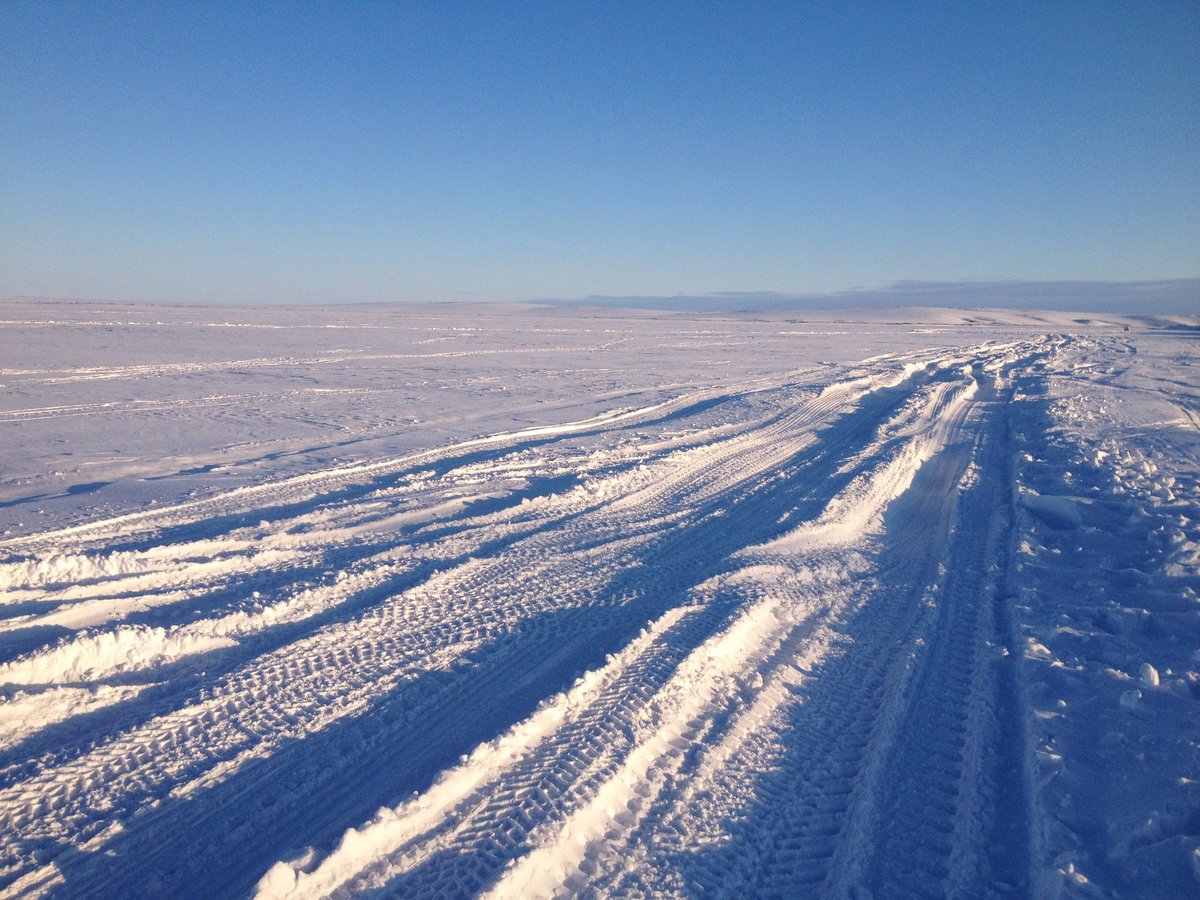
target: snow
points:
(520, 601)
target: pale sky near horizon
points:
(345, 152)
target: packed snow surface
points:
(453, 601)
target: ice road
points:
(518, 602)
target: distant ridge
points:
(1176, 296)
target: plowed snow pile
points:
(456, 601)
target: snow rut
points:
(759, 600)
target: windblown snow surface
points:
(454, 601)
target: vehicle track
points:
(824, 757)
(530, 589)
(466, 865)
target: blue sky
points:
(327, 152)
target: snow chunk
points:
(1149, 675)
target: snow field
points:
(921, 624)
(1107, 582)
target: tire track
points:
(525, 593)
(465, 867)
(816, 821)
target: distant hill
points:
(1176, 296)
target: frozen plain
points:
(447, 601)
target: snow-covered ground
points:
(446, 601)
